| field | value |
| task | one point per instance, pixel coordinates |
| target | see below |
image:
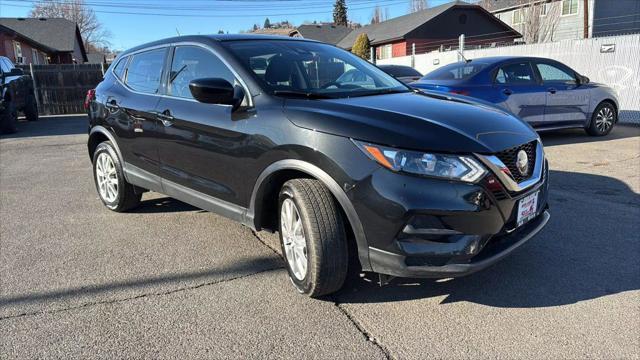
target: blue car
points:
(545, 93)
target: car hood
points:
(416, 121)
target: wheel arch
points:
(270, 181)
(98, 134)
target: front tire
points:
(313, 237)
(602, 120)
(31, 108)
(113, 189)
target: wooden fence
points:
(61, 89)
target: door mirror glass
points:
(216, 91)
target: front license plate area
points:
(527, 207)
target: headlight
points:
(454, 167)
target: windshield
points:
(455, 71)
(289, 68)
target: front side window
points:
(515, 74)
(289, 67)
(145, 71)
(456, 71)
(551, 73)
(569, 7)
(193, 62)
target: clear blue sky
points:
(209, 16)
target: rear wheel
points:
(602, 120)
(31, 108)
(114, 190)
(313, 238)
(9, 118)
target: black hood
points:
(414, 121)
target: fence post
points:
(35, 87)
(372, 54)
(461, 48)
(413, 55)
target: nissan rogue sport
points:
(263, 131)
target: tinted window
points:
(120, 67)
(515, 74)
(400, 71)
(553, 73)
(456, 71)
(304, 67)
(193, 62)
(145, 70)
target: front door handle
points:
(507, 92)
(552, 90)
(165, 117)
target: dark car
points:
(547, 94)
(399, 182)
(17, 93)
(406, 74)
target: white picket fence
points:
(613, 60)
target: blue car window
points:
(515, 74)
(553, 73)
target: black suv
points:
(260, 130)
(17, 93)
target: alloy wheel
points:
(295, 244)
(107, 177)
(604, 119)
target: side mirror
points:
(13, 72)
(216, 91)
(582, 79)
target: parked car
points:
(547, 94)
(17, 93)
(400, 182)
(406, 74)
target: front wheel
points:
(313, 237)
(114, 190)
(602, 120)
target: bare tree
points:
(539, 20)
(379, 15)
(417, 5)
(94, 35)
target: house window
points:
(34, 57)
(17, 51)
(517, 17)
(544, 10)
(569, 7)
(386, 51)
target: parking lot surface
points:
(168, 280)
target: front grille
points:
(509, 158)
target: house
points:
(554, 20)
(41, 41)
(327, 33)
(433, 28)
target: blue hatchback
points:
(547, 94)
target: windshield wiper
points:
(308, 95)
(378, 92)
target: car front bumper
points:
(431, 228)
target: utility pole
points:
(586, 18)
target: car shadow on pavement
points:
(163, 205)
(51, 126)
(578, 136)
(588, 250)
(172, 282)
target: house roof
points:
(504, 5)
(327, 33)
(397, 27)
(58, 34)
(274, 31)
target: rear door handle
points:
(507, 92)
(552, 90)
(165, 117)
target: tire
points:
(9, 119)
(116, 194)
(31, 108)
(320, 225)
(602, 120)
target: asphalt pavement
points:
(171, 281)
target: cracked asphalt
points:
(171, 281)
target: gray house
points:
(554, 20)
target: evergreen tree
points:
(267, 23)
(362, 46)
(255, 27)
(340, 13)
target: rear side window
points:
(551, 73)
(194, 62)
(401, 71)
(118, 70)
(145, 71)
(515, 74)
(456, 71)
